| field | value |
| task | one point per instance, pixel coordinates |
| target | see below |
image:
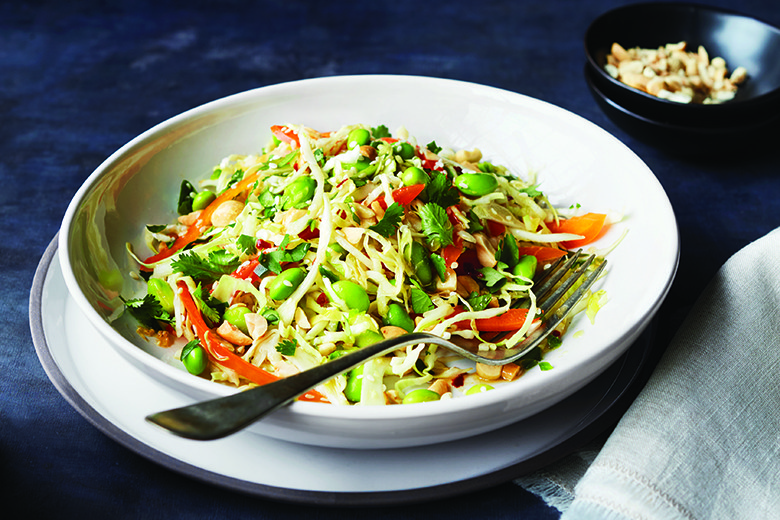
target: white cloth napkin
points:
(702, 440)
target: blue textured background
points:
(78, 79)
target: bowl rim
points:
(639, 95)
(390, 413)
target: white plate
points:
(577, 163)
(115, 397)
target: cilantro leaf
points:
(474, 222)
(436, 226)
(492, 277)
(147, 311)
(273, 261)
(439, 265)
(380, 131)
(478, 302)
(433, 147)
(212, 268)
(421, 302)
(211, 308)
(508, 251)
(330, 275)
(186, 195)
(390, 221)
(441, 191)
(286, 347)
(531, 191)
(247, 244)
(156, 228)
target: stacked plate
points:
(742, 41)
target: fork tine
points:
(553, 275)
(565, 308)
(547, 301)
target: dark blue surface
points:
(80, 79)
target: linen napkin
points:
(702, 440)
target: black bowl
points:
(739, 39)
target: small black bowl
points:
(739, 39)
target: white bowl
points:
(576, 162)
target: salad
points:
(325, 242)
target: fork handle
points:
(217, 418)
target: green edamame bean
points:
(338, 353)
(414, 175)
(162, 291)
(398, 317)
(202, 200)
(353, 295)
(421, 395)
(299, 191)
(404, 150)
(358, 137)
(236, 316)
(475, 184)
(354, 384)
(286, 282)
(194, 358)
(480, 388)
(526, 267)
(421, 263)
(367, 338)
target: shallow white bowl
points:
(577, 163)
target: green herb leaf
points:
(439, 265)
(218, 263)
(247, 244)
(287, 347)
(189, 347)
(532, 191)
(273, 261)
(492, 277)
(330, 275)
(421, 302)
(390, 221)
(474, 223)
(271, 315)
(436, 226)
(147, 311)
(553, 342)
(508, 251)
(440, 190)
(186, 195)
(544, 365)
(211, 308)
(479, 302)
(380, 131)
(433, 147)
(156, 228)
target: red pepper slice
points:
(496, 229)
(247, 270)
(286, 134)
(403, 195)
(224, 357)
(590, 226)
(512, 319)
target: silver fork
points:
(224, 416)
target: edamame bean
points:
(354, 384)
(398, 317)
(353, 295)
(162, 291)
(414, 175)
(338, 353)
(194, 358)
(479, 388)
(421, 263)
(526, 267)
(358, 137)
(299, 191)
(367, 338)
(202, 200)
(421, 395)
(286, 282)
(404, 150)
(235, 315)
(475, 184)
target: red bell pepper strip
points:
(590, 226)
(286, 134)
(512, 319)
(403, 195)
(247, 270)
(223, 356)
(496, 229)
(542, 253)
(203, 222)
